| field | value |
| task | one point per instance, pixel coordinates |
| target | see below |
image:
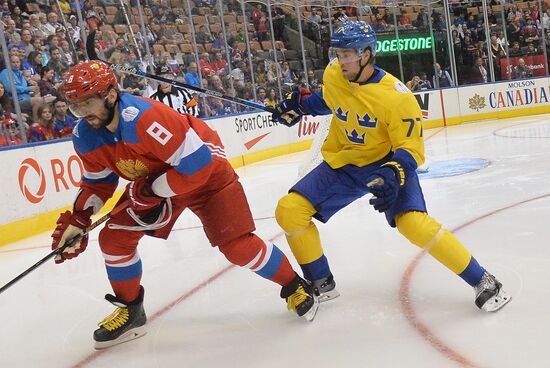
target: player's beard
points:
(111, 108)
(103, 123)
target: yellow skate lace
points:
(115, 320)
(298, 297)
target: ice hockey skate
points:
(325, 289)
(300, 298)
(489, 294)
(126, 323)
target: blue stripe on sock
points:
(272, 265)
(473, 272)
(124, 273)
(317, 269)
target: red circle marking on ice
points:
(408, 310)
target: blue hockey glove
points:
(289, 111)
(385, 184)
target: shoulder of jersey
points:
(87, 139)
(395, 84)
(131, 109)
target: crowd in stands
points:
(216, 48)
(44, 41)
(527, 35)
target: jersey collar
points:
(376, 76)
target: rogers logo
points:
(26, 176)
(38, 181)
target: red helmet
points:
(88, 79)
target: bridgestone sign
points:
(417, 44)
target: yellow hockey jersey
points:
(370, 119)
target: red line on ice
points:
(166, 308)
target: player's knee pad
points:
(226, 215)
(293, 213)
(118, 241)
(421, 229)
(242, 250)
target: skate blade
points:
(312, 312)
(329, 295)
(125, 337)
(497, 302)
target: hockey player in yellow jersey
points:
(374, 145)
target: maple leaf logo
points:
(477, 102)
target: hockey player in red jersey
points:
(173, 162)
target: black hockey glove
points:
(289, 111)
(385, 184)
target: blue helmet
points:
(354, 35)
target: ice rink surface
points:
(398, 307)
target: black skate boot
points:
(325, 289)
(299, 297)
(489, 294)
(126, 323)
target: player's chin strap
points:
(162, 220)
(361, 68)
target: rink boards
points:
(40, 180)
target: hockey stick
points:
(69, 243)
(135, 71)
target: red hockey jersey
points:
(151, 140)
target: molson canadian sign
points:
(520, 94)
(505, 95)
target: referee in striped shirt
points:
(177, 98)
